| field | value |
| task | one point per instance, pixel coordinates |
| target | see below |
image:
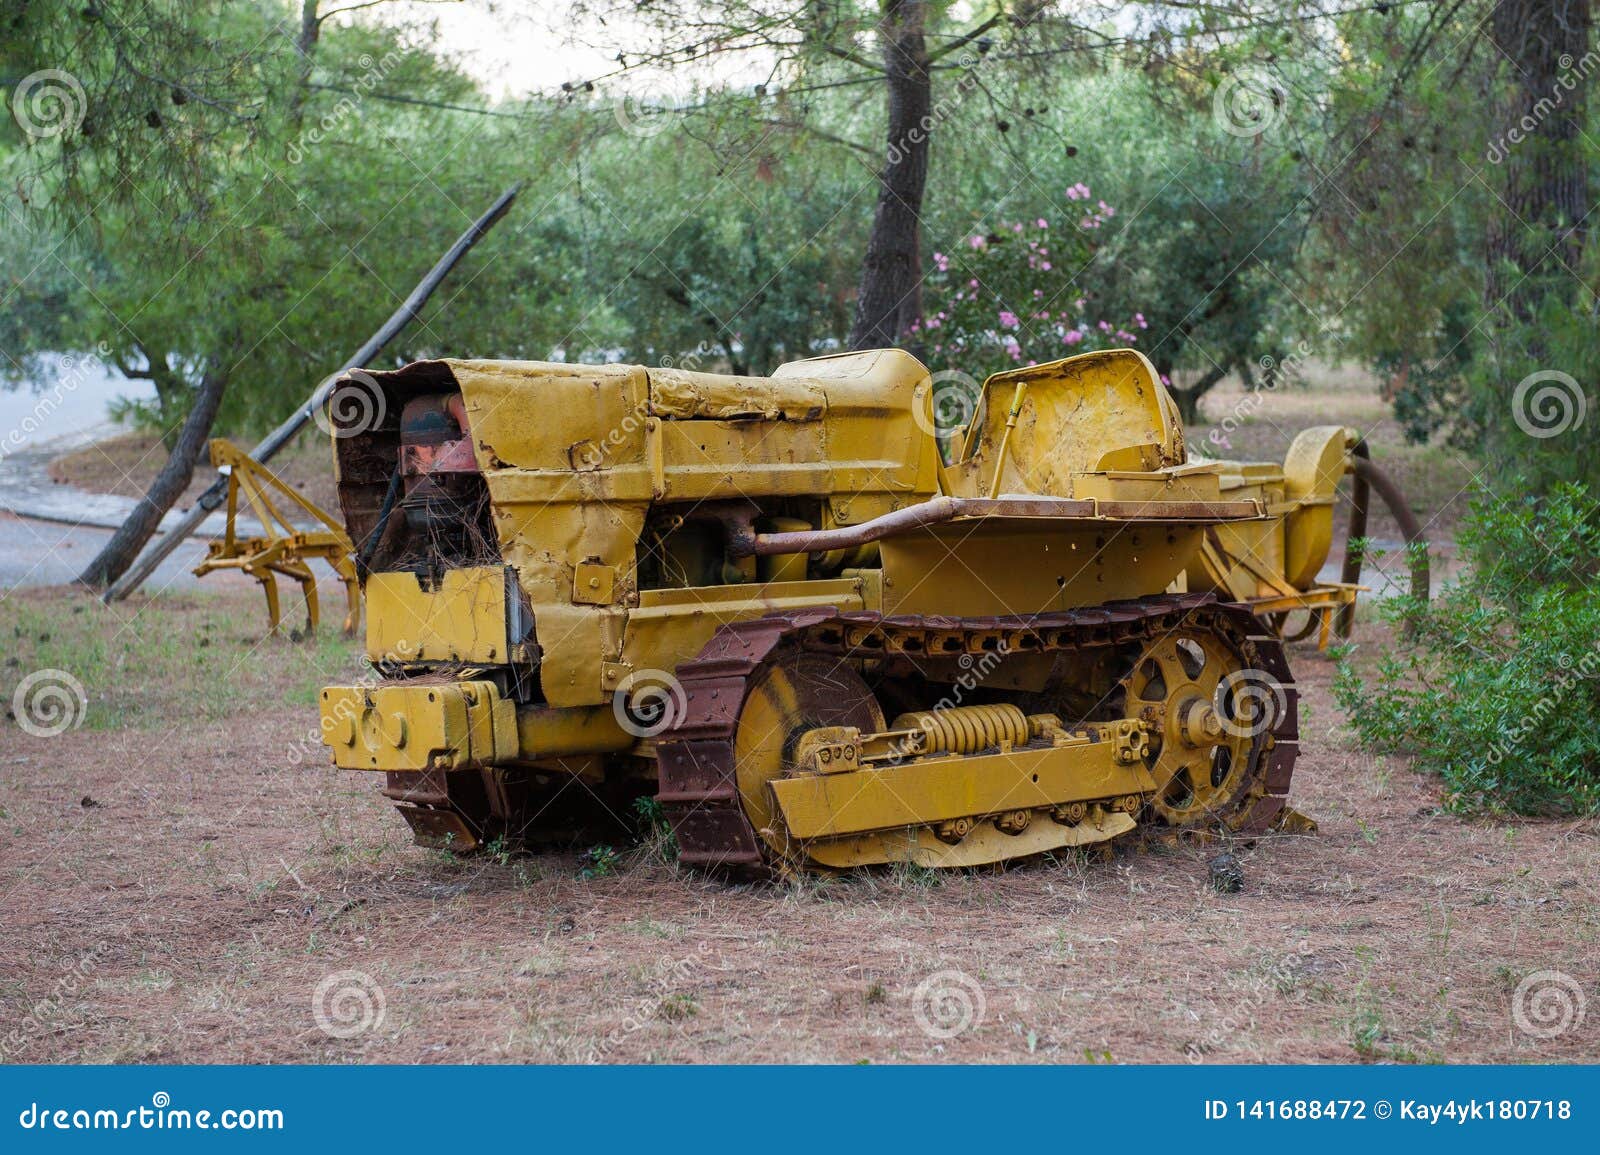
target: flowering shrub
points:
(1012, 295)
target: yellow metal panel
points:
(940, 789)
(545, 732)
(451, 726)
(744, 459)
(462, 619)
(679, 395)
(670, 626)
(574, 643)
(1312, 471)
(1048, 565)
(1185, 483)
(1084, 414)
(593, 584)
(578, 407)
(984, 845)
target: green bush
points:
(1497, 683)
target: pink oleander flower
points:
(1008, 319)
(1104, 326)
(977, 240)
(942, 261)
(1138, 319)
(1045, 265)
(1042, 223)
(1072, 337)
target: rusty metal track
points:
(698, 785)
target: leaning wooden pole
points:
(213, 497)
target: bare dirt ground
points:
(184, 879)
(127, 463)
(181, 872)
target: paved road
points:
(37, 553)
(49, 531)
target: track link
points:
(695, 757)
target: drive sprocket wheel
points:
(1216, 711)
(791, 693)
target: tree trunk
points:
(1187, 398)
(305, 47)
(130, 538)
(890, 297)
(1535, 242)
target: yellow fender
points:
(1316, 461)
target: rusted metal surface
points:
(695, 758)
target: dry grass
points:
(190, 842)
(217, 876)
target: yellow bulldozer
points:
(775, 606)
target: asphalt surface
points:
(41, 553)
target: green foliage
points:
(253, 223)
(1497, 687)
(654, 828)
(1190, 257)
(599, 862)
(1531, 395)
